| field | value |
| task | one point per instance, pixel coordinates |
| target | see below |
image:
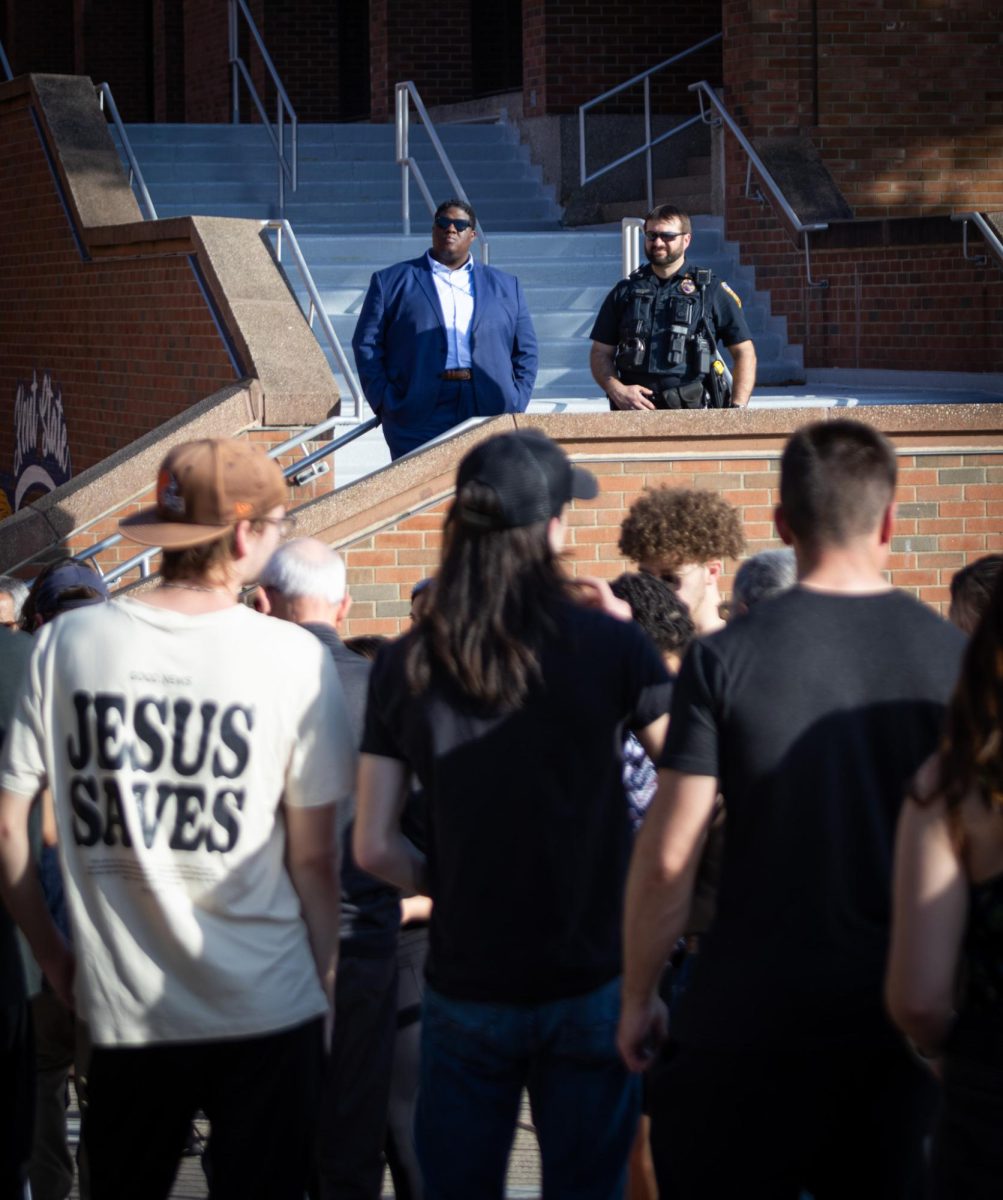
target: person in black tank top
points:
(945, 976)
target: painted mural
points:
(41, 444)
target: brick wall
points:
(38, 35)
(421, 41)
(575, 49)
(129, 342)
(904, 100)
(909, 306)
(950, 512)
(207, 75)
(114, 45)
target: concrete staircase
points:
(348, 180)
(691, 192)
(346, 215)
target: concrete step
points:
(318, 171)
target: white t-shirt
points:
(169, 742)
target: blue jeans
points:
(477, 1058)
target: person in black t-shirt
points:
(809, 714)
(509, 701)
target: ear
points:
(241, 531)
(343, 608)
(783, 529)
(888, 523)
(556, 532)
(714, 568)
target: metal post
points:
(234, 80)
(403, 153)
(581, 145)
(647, 140)
(282, 156)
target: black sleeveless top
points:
(979, 1029)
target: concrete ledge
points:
(426, 476)
(123, 476)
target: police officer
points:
(655, 338)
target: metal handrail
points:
(649, 142)
(402, 93)
(106, 101)
(300, 472)
(754, 162)
(5, 63)
(630, 244)
(283, 230)
(288, 167)
(989, 234)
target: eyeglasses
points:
(662, 235)
(456, 223)
(285, 525)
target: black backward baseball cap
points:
(529, 474)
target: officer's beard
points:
(669, 260)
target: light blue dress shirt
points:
(456, 299)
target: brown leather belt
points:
(457, 375)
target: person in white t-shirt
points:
(196, 752)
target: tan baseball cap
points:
(203, 489)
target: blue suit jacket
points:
(400, 344)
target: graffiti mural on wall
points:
(41, 444)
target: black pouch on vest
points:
(690, 395)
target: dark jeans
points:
(769, 1125)
(17, 1097)
(260, 1095)
(476, 1060)
(402, 1158)
(353, 1111)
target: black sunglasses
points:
(661, 235)
(457, 223)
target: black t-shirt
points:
(724, 310)
(528, 833)
(813, 711)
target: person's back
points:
(810, 713)
(831, 703)
(196, 752)
(528, 804)
(509, 701)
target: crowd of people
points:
(718, 886)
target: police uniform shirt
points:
(723, 308)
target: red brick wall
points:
(207, 75)
(168, 34)
(129, 342)
(38, 35)
(422, 41)
(950, 512)
(904, 100)
(575, 49)
(114, 45)
(911, 307)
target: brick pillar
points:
(207, 76)
(771, 64)
(575, 49)
(168, 60)
(38, 35)
(419, 40)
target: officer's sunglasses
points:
(661, 235)
(457, 223)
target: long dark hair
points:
(490, 607)
(971, 751)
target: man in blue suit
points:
(441, 338)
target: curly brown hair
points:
(681, 525)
